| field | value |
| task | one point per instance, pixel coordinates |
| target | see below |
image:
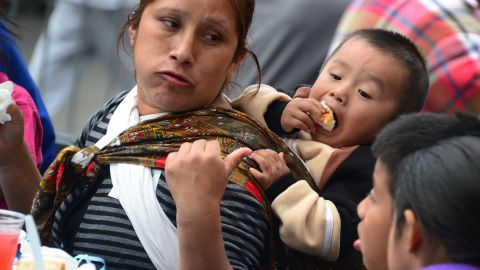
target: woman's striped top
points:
(105, 230)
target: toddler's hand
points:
(302, 113)
(302, 91)
(272, 166)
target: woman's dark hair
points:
(244, 10)
(434, 168)
(406, 52)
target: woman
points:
(184, 54)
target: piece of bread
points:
(48, 263)
(328, 120)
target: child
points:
(370, 79)
(425, 163)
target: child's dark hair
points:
(405, 51)
(434, 168)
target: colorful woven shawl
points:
(149, 143)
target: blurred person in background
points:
(286, 35)
(76, 30)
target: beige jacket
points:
(309, 223)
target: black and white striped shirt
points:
(105, 230)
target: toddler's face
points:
(361, 85)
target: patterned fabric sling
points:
(149, 143)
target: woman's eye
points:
(335, 77)
(171, 23)
(213, 37)
(364, 94)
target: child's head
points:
(410, 174)
(372, 77)
(437, 206)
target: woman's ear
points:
(235, 65)
(412, 231)
(132, 35)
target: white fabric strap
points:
(327, 239)
(135, 188)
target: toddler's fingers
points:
(303, 91)
(303, 121)
(259, 177)
(256, 173)
(262, 162)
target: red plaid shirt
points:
(448, 34)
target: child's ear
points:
(412, 231)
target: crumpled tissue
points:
(6, 90)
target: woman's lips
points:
(175, 79)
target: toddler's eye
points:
(335, 77)
(364, 94)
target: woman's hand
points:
(272, 166)
(11, 132)
(19, 176)
(302, 113)
(197, 177)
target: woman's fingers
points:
(233, 159)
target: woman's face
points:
(183, 54)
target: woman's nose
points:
(183, 50)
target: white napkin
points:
(6, 90)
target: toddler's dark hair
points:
(406, 52)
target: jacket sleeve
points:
(325, 225)
(255, 103)
(346, 188)
(309, 223)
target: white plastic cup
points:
(11, 223)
